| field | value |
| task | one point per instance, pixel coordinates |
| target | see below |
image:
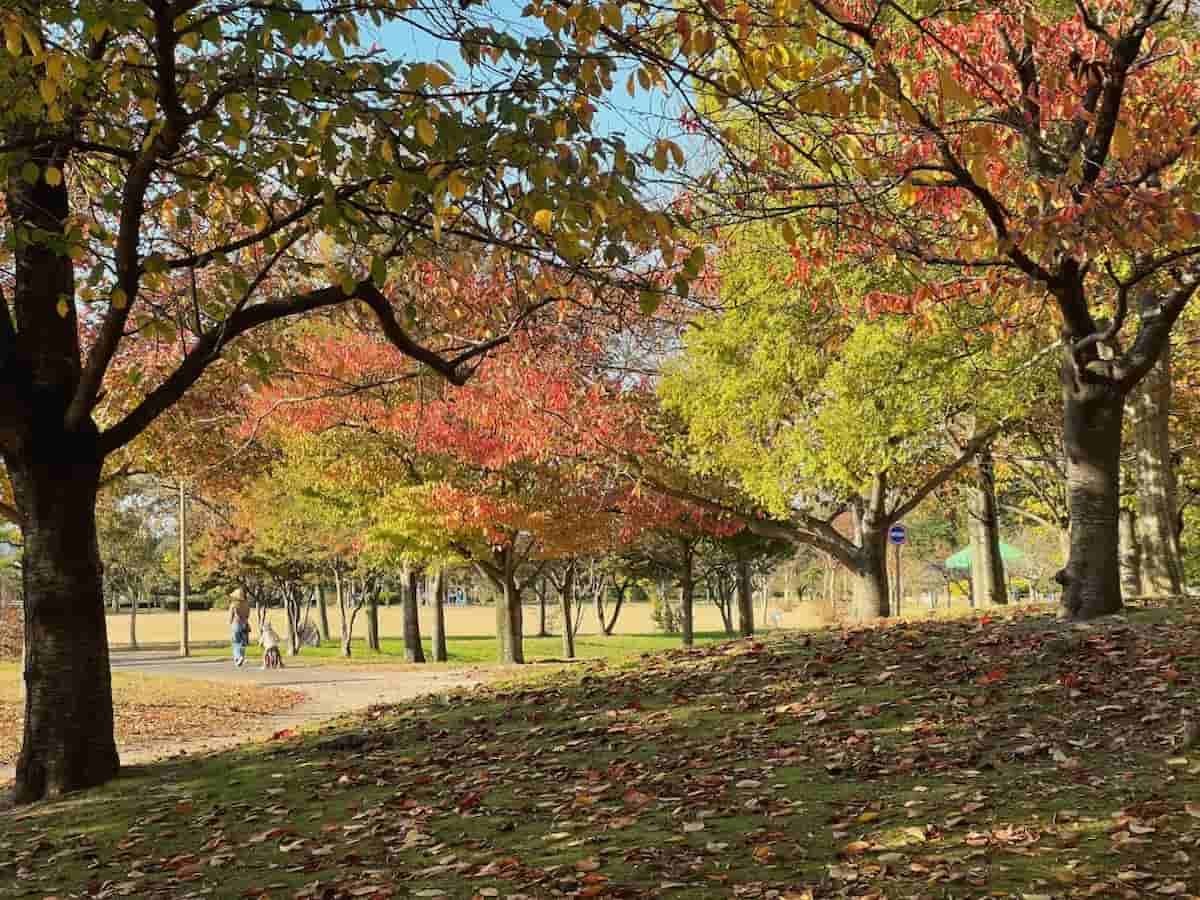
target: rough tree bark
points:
(983, 523)
(1157, 498)
(870, 599)
(1130, 557)
(413, 651)
(68, 742)
(745, 598)
(508, 621)
(1093, 413)
(439, 618)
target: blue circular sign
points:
(897, 534)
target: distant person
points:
(239, 623)
(776, 618)
(270, 643)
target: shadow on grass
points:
(931, 759)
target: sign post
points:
(898, 534)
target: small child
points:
(270, 642)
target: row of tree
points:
(221, 218)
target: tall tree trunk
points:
(373, 619)
(439, 618)
(567, 603)
(870, 598)
(541, 592)
(1092, 434)
(322, 611)
(745, 599)
(184, 642)
(1157, 497)
(987, 565)
(1130, 558)
(510, 640)
(133, 611)
(68, 739)
(687, 590)
(343, 605)
(413, 651)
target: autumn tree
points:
(807, 415)
(995, 150)
(275, 156)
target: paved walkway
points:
(331, 690)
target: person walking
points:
(239, 624)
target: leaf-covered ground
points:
(975, 758)
(152, 710)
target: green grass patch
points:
(1007, 757)
(482, 649)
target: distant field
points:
(461, 621)
(479, 622)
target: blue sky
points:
(639, 118)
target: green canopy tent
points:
(962, 559)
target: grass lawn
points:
(482, 648)
(997, 756)
(152, 710)
(162, 628)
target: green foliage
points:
(786, 396)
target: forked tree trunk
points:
(509, 638)
(870, 599)
(413, 651)
(1130, 560)
(1092, 418)
(987, 565)
(68, 739)
(724, 602)
(292, 606)
(745, 599)
(611, 624)
(567, 601)
(439, 618)
(1157, 500)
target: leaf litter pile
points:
(153, 710)
(1004, 757)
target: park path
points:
(330, 690)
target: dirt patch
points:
(167, 707)
(153, 711)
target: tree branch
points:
(208, 347)
(946, 472)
